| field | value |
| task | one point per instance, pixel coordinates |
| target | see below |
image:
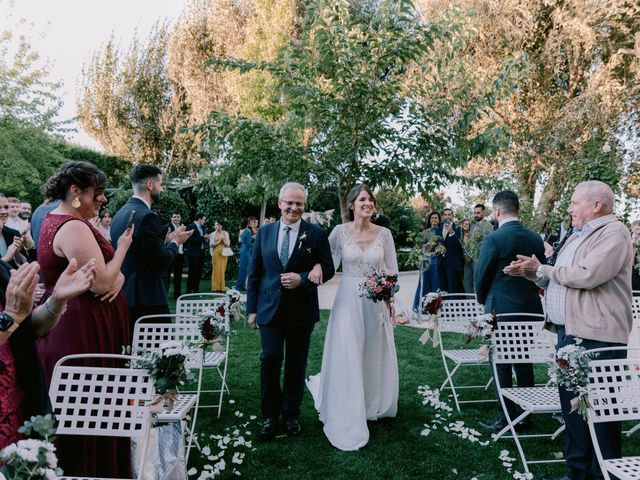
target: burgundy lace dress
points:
(88, 326)
(11, 398)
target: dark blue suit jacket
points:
(194, 244)
(454, 256)
(265, 292)
(148, 260)
(497, 291)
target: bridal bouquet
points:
(380, 286)
(29, 459)
(571, 369)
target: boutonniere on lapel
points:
(303, 241)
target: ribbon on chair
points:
(431, 332)
(483, 351)
(157, 404)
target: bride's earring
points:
(76, 203)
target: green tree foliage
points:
(405, 221)
(29, 157)
(363, 117)
(579, 92)
(26, 92)
(126, 103)
(116, 168)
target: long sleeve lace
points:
(336, 245)
(390, 259)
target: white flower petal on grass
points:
(206, 450)
(232, 401)
(252, 417)
(192, 471)
(425, 432)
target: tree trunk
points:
(263, 211)
(344, 210)
(547, 200)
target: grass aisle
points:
(396, 448)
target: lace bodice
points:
(356, 262)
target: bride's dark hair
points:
(353, 194)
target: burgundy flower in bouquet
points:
(380, 286)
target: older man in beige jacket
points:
(588, 297)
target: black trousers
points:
(293, 335)
(195, 274)
(136, 312)
(582, 463)
(176, 269)
(452, 280)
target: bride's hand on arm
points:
(315, 275)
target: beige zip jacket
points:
(598, 301)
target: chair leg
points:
(558, 432)
(633, 430)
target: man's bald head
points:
(595, 190)
(590, 200)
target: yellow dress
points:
(219, 266)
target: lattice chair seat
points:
(535, 399)
(627, 468)
(181, 407)
(101, 401)
(214, 359)
(466, 356)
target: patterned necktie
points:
(284, 250)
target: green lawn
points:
(396, 449)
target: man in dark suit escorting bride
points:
(283, 303)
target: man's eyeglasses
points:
(291, 204)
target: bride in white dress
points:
(358, 381)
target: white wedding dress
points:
(358, 380)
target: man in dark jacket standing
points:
(194, 249)
(501, 293)
(149, 257)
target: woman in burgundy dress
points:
(94, 322)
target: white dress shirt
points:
(293, 236)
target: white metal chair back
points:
(101, 401)
(614, 395)
(521, 341)
(634, 337)
(149, 336)
(457, 311)
(195, 304)
(524, 341)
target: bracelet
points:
(51, 311)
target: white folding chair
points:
(194, 305)
(524, 342)
(614, 395)
(455, 314)
(102, 401)
(149, 336)
(634, 340)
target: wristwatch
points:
(539, 273)
(6, 323)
